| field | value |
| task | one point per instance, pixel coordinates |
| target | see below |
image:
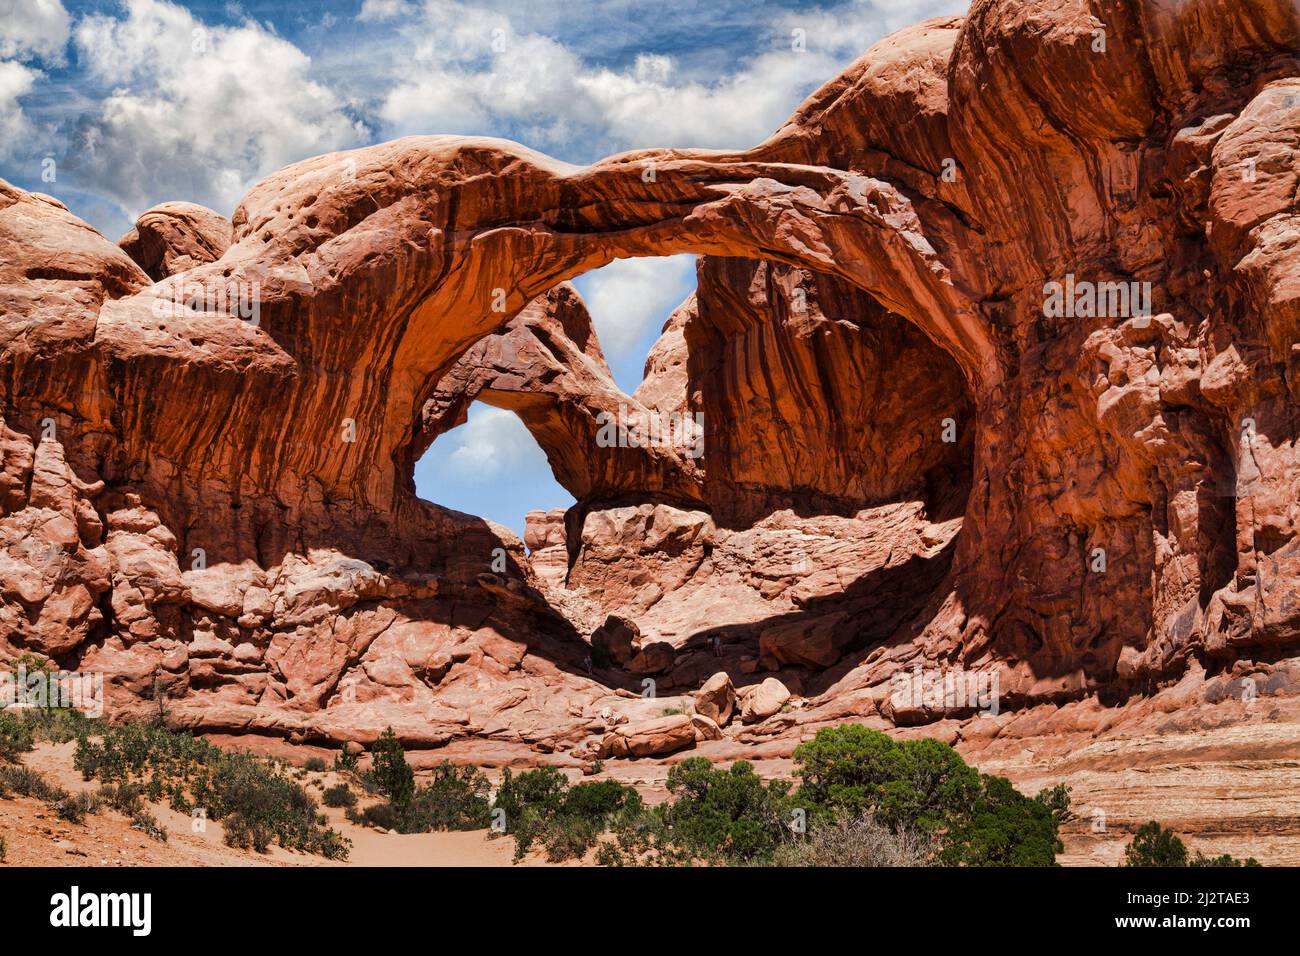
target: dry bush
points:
(856, 841)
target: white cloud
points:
(33, 29)
(630, 298)
(492, 441)
(376, 11)
(472, 73)
(475, 73)
(642, 109)
(197, 112)
(16, 129)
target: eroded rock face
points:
(825, 402)
(967, 226)
(176, 236)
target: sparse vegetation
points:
(859, 798)
(126, 798)
(75, 807)
(257, 803)
(540, 808)
(865, 798)
(147, 823)
(25, 782)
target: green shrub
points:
(1005, 828)
(345, 762)
(540, 791)
(125, 798)
(597, 801)
(455, 799)
(28, 783)
(541, 808)
(56, 724)
(916, 784)
(1226, 860)
(339, 795)
(74, 807)
(16, 736)
(393, 776)
(567, 838)
(315, 765)
(727, 815)
(383, 816)
(129, 751)
(1057, 800)
(1154, 845)
(245, 834)
(924, 785)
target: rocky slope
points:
(994, 350)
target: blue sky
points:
(117, 105)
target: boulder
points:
(617, 638)
(654, 658)
(765, 700)
(716, 699)
(706, 728)
(663, 735)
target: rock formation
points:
(994, 345)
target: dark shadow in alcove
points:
(877, 606)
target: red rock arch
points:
(376, 270)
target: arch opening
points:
(821, 518)
(492, 467)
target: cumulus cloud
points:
(33, 29)
(195, 111)
(30, 30)
(477, 73)
(16, 128)
(630, 298)
(492, 442)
